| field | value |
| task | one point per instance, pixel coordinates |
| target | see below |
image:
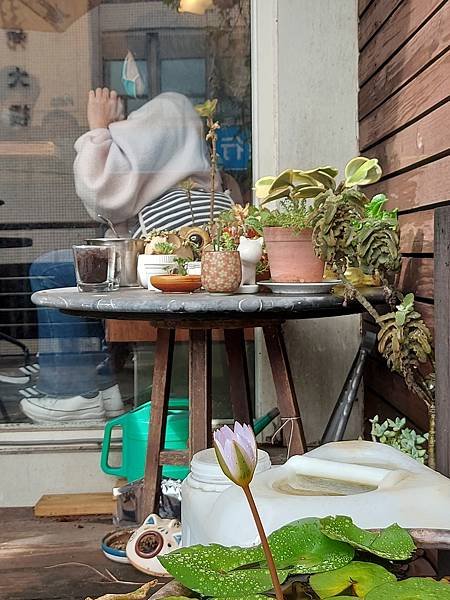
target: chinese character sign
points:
(233, 148)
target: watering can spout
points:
(261, 423)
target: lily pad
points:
(414, 588)
(254, 597)
(210, 570)
(393, 543)
(360, 577)
(303, 548)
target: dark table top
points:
(141, 304)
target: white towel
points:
(121, 169)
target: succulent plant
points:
(378, 247)
(362, 171)
(404, 339)
(332, 220)
(395, 433)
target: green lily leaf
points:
(360, 577)
(414, 588)
(253, 597)
(362, 171)
(210, 570)
(393, 543)
(303, 548)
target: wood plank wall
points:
(404, 120)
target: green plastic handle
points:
(104, 464)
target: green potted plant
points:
(287, 229)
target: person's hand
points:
(104, 107)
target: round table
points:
(200, 313)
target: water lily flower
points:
(236, 452)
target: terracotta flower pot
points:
(221, 271)
(291, 256)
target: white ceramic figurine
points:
(154, 538)
(250, 251)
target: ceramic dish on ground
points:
(321, 287)
(176, 283)
(114, 545)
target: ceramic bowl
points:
(176, 283)
(114, 545)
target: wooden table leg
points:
(157, 429)
(200, 401)
(284, 386)
(238, 375)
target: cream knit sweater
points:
(121, 169)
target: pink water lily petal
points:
(223, 434)
(246, 439)
(236, 452)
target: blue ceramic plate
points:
(113, 542)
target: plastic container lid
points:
(205, 468)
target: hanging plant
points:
(348, 230)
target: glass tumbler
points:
(95, 268)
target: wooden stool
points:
(200, 401)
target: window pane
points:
(47, 67)
(184, 75)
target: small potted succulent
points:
(243, 225)
(221, 263)
(159, 254)
(164, 249)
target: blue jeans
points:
(70, 348)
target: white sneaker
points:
(48, 409)
(19, 375)
(112, 402)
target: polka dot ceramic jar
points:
(221, 271)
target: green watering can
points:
(134, 426)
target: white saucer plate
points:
(301, 289)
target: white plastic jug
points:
(201, 489)
(373, 483)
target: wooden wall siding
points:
(404, 117)
(424, 93)
(431, 41)
(401, 26)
